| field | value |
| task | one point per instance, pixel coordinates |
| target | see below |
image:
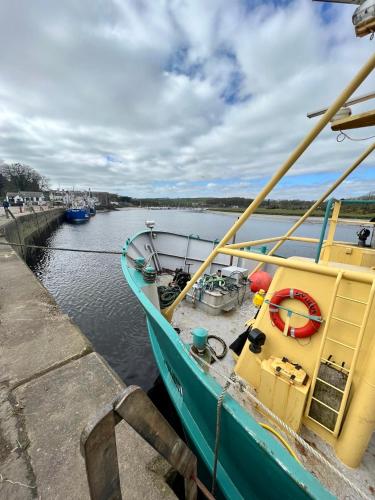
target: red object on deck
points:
(311, 327)
(260, 280)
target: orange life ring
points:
(311, 327)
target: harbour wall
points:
(28, 227)
(52, 382)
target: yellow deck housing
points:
(359, 421)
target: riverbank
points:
(51, 384)
(293, 213)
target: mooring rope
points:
(64, 249)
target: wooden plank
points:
(355, 121)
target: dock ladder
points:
(354, 350)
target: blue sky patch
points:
(179, 64)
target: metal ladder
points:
(354, 354)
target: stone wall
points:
(32, 226)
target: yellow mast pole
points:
(299, 150)
(300, 221)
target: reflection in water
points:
(90, 288)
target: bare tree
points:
(44, 183)
(21, 177)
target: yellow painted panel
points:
(348, 254)
(285, 399)
(305, 352)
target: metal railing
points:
(283, 170)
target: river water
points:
(91, 289)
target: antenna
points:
(355, 100)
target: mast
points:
(285, 167)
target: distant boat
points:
(77, 215)
(92, 211)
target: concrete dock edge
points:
(51, 383)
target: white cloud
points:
(124, 95)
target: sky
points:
(178, 98)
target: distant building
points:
(58, 197)
(98, 198)
(103, 198)
(33, 197)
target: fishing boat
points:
(78, 207)
(77, 215)
(289, 410)
(91, 204)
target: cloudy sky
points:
(179, 97)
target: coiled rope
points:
(213, 351)
(167, 295)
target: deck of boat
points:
(229, 326)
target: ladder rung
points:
(321, 403)
(327, 383)
(346, 321)
(328, 362)
(321, 425)
(341, 343)
(352, 300)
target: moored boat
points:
(77, 215)
(291, 413)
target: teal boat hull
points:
(252, 464)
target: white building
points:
(58, 197)
(27, 197)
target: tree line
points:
(15, 177)
(239, 204)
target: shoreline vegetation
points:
(237, 205)
(294, 212)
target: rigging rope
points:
(217, 434)
(341, 136)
